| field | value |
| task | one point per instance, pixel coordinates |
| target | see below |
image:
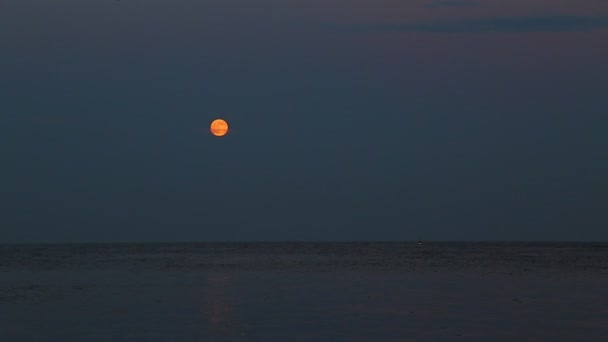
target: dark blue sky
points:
(351, 120)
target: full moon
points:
(219, 127)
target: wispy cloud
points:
(452, 3)
(546, 23)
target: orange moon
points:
(219, 127)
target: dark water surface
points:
(304, 291)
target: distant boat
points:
(419, 240)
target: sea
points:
(305, 291)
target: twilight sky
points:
(351, 120)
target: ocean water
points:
(304, 292)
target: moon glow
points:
(219, 127)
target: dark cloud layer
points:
(453, 3)
(546, 23)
